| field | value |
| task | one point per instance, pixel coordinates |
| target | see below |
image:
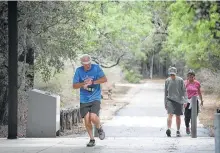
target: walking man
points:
(88, 78)
(175, 97)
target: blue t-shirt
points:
(95, 73)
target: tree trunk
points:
(144, 68)
(160, 69)
(166, 66)
(152, 66)
(3, 63)
(26, 76)
(25, 70)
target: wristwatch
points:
(93, 81)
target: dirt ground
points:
(211, 103)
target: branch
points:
(165, 33)
(105, 66)
(6, 66)
(52, 25)
(47, 27)
(215, 36)
(190, 8)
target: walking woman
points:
(193, 89)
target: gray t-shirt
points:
(175, 90)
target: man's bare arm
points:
(165, 95)
(200, 96)
(78, 85)
(101, 80)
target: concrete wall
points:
(43, 118)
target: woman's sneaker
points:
(91, 143)
(168, 132)
(101, 133)
(187, 131)
(178, 134)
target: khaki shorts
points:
(92, 107)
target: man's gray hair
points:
(85, 56)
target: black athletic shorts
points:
(92, 107)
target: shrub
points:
(132, 76)
(209, 81)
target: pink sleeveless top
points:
(192, 88)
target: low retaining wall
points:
(69, 118)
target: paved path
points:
(138, 128)
(145, 116)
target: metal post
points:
(217, 131)
(12, 69)
(194, 117)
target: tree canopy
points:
(144, 36)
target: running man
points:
(175, 97)
(193, 89)
(88, 78)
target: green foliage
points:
(136, 29)
(191, 36)
(132, 76)
(116, 28)
(106, 30)
(51, 30)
